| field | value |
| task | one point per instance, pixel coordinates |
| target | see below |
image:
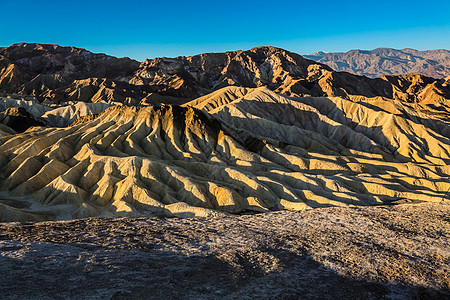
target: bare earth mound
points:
(399, 252)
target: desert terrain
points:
(243, 174)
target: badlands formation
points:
(272, 131)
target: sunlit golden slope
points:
(232, 151)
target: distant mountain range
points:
(387, 61)
(60, 74)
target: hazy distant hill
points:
(387, 61)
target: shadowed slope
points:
(53, 115)
(18, 119)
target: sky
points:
(148, 29)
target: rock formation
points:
(266, 130)
(233, 151)
(64, 73)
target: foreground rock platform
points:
(379, 252)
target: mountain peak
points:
(318, 53)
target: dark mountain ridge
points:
(62, 74)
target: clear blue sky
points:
(147, 29)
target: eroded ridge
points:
(234, 151)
